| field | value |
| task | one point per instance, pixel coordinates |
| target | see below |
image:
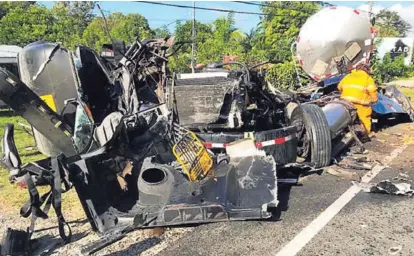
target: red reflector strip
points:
(214, 145)
(276, 141)
(259, 144)
(280, 141)
(328, 75)
(301, 62)
(207, 145)
(317, 78)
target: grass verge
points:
(409, 92)
(13, 197)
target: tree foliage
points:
(121, 27)
(388, 69)
(224, 40)
(275, 35)
(70, 21)
(182, 61)
(390, 24)
(6, 6)
(21, 26)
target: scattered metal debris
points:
(360, 159)
(387, 187)
(344, 174)
(402, 177)
(356, 166)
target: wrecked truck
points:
(331, 43)
(139, 144)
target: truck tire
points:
(315, 143)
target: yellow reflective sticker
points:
(248, 135)
(48, 98)
(58, 124)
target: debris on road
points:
(402, 177)
(360, 159)
(387, 187)
(356, 166)
(344, 174)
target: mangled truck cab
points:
(145, 148)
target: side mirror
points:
(10, 155)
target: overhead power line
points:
(204, 8)
(226, 10)
(270, 6)
(282, 7)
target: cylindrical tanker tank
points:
(338, 117)
(333, 36)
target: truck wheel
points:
(314, 136)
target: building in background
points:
(8, 60)
(396, 46)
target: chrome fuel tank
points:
(338, 117)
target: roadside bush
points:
(283, 75)
(389, 69)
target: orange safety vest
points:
(358, 87)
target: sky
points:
(158, 16)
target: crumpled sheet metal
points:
(330, 34)
(387, 187)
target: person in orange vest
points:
(360, 89)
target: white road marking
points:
(306, 235)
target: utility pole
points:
(371, 5)
(371, 15)
(193, 38)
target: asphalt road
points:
(370, 224)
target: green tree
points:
(6, 6)
(390, 24)
(122, 27)
(161, 32)
(281, 25)
(283, 75)
(224, 40)
(70, 21)
(388, 69)
(182, 60)
(23, 26)
(276, 32)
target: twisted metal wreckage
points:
(144, 147)
(123, 149)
